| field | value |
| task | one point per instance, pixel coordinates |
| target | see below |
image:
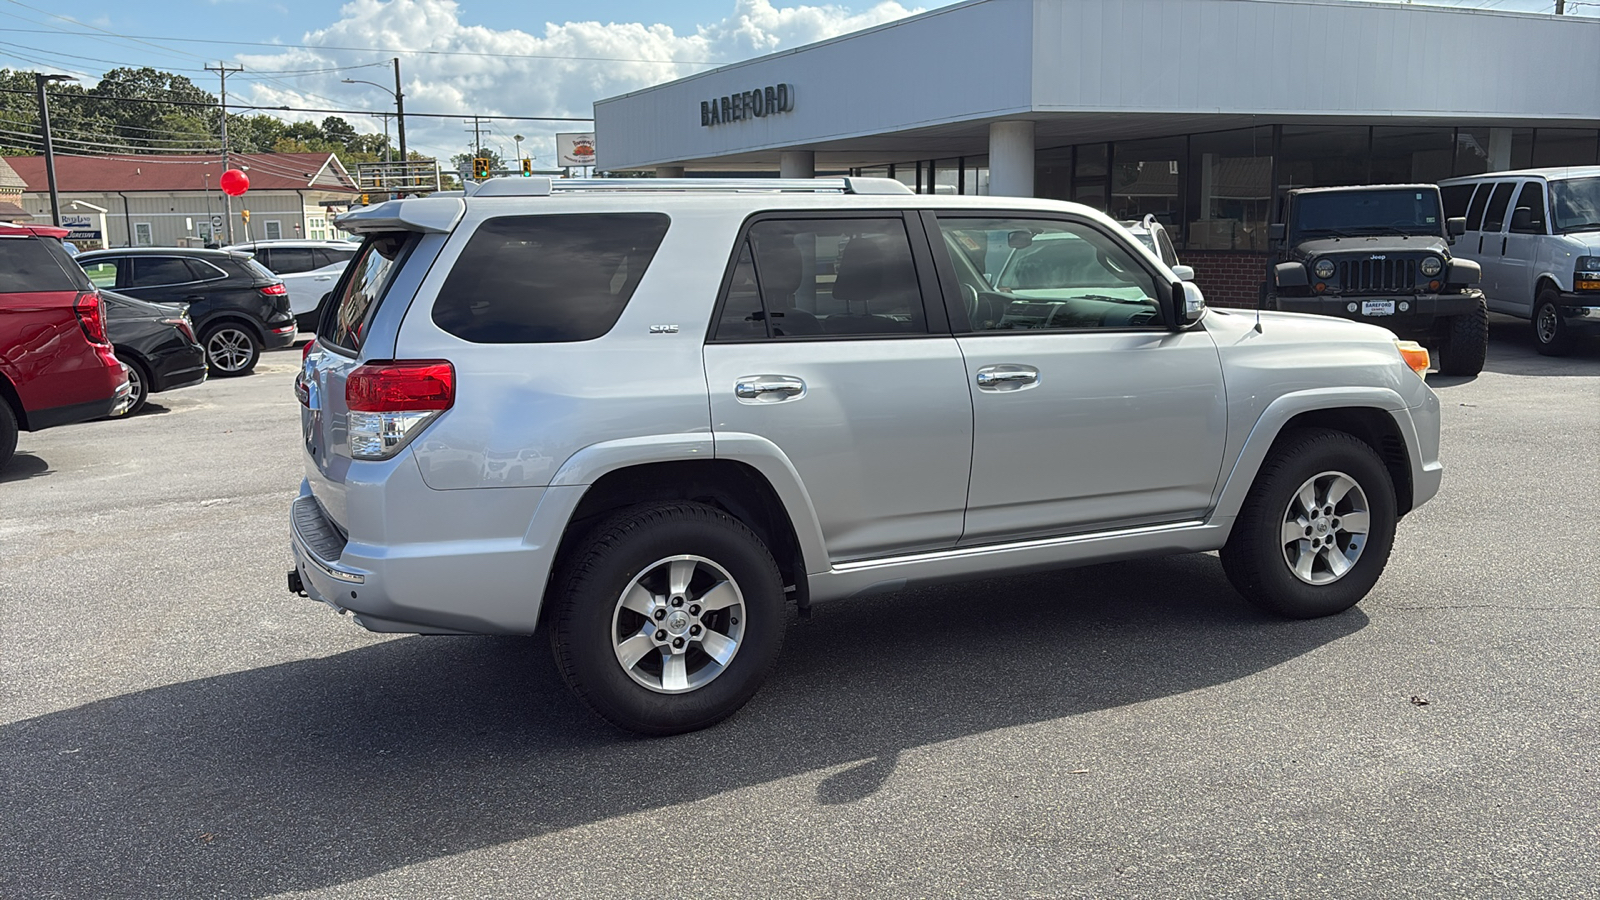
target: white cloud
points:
(582, 62)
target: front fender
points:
(1278, 413)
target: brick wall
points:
(1228, 278)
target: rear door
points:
(1088, 413)
(831, 343)
(1490, 240)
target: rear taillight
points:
(183, 324)
(275, 290)
(392, 402)
(306, 350)
(91, 317)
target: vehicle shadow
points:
(319, 772)
(23, 466)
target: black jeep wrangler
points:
(1381, 254)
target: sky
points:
(458, 57)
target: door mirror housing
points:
(1186, 304)
(1522, 219)
(1277, 231)
(1184, 273)
(1455, 226)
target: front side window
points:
(1028, 274)
(1531, 198)
(1576, 205)
(547, 279)
(845, 277)
(289, 260)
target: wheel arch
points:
(1367, 415)
(223, 318)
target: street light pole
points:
(40, 80)
(399, 109)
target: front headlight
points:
(1588, 264)
(1431, 266)
(1323, 269)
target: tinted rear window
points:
(547, 279)
(1456, 197)
(375, 265)
(30, 264)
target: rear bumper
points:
(396, 574)
(1412, 313)
(80, 412)
(279, 335)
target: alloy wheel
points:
(229, 349)
(678, 625)
(1325, 528)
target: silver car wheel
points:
(229, 349)
(1548, 323)
(1325, 528)
(135, 388)
(678, 625)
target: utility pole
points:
(224, 71)
(400, 109)
(478, 131)
(1561, 7)
(40, 80)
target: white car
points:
(309, 270)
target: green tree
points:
(184, 111)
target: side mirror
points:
(1184, 273)
(1522, 219)
(1188, 303)
(1456, 226)
(1290, 274)
(1277, 231)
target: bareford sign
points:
(756, 104)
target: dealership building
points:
(1201, 112)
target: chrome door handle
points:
(768, 387)
(1000, 377)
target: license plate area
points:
(1377, 307)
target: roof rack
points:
(544, 186)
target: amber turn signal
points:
(1415, 355)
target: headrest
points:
(860, 270)
(778, 261)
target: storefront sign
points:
(756, 104)
(84, 228)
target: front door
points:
(1088, 412)
(823, 346)
(1518, 265)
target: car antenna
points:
(1261, 300)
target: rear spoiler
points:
(436, 215)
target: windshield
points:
(1368, 212)
(1576, 204)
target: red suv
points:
(56, 365)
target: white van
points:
(1536, 233)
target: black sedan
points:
(238, 307)
(156, 342)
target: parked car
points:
(1540, 253)
(56, 364)
(238, 307)
(309, 270)
(1153, 235)
(1381, 254)
(650, 413)
(156, 341)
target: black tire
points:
(588, 618)
(1465, 344)
(1257, 559)
(1551, 336)
(8, 432)
(139, 381)
(231, 348)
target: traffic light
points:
(527, 167)
(480, 167)
(365, 201)
(244, 214)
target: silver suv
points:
(647, 415)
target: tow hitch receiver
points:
(296, 586)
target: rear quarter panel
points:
(45, 355)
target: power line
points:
(343, 112)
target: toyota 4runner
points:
(646, 415)
(1381, 254)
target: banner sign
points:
(575, 149)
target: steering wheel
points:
(969, 296)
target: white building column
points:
(669, 171)
(1011, 159)
(1499, 149)
(797, 164)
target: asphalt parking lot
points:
(174, 724)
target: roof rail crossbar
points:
(540, 186)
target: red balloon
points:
(234, 182)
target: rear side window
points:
(1455, 197)
(151, 271)
(27, 265)
(1475, 209)
(258, 271)
(289, 260)
(369, 274)
(547, 279)
(1495, 216)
